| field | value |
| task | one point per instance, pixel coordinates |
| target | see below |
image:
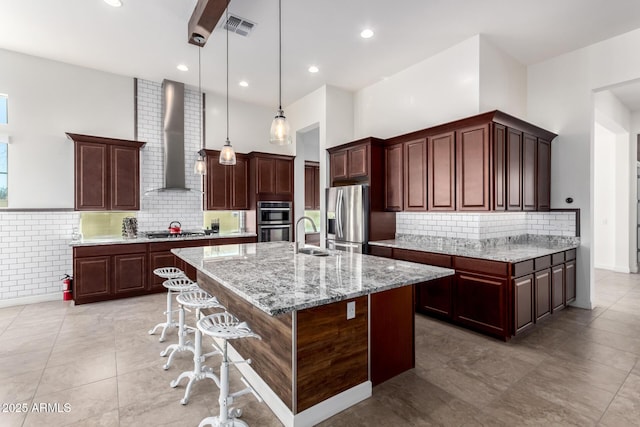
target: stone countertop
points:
(274, 279)
(121, 240)
(510, 252)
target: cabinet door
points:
(441, 168)
(434, 297)
(557, 287)
(91, 176)
(283, 171)
(159, 260)
(415, 175)
(570, 280)
(265, 175)
(217, 185)
(393, 177)
(316, 188)
(309, 187)
(473, 165)
(529, 168)
(358, 164)
(130, 273)
(239, 176)
(514, 170)
(481, 303)
(92, 278)
(543, 293)
(499, 167)
(125, 178)
(523, 307)
(544, 175)
(339, 165)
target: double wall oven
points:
(274, 221)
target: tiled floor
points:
(578, 368)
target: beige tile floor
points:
(577, 368)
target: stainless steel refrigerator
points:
(348, 218)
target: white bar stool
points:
(178, 286)
(198, 300)
(226, 326)
(167, 273)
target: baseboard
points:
(32, 299)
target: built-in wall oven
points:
(274, 221)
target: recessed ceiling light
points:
(244, 84)
(366, 34)
(313, 69)
(182, 67)
(114, 3)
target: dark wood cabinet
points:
(415, 175)
(570, 280)
(393, 200)
(92, 278)
(441, 166)
(473, 168)
(159, 259)
(523, 306)
(544, 175)
(542, 290)
(514, 170)
(106, 173)
(226, 185)
(311, 186)
(130, 273)
(339, 161)
(351, 164)
(557, 287)
(499, 167)
(272, 176)
(358, 164)
(529, 172)
(481, 302)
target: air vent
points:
(239, 25)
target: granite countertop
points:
(507, 252)
(274, 279)
(121, 240)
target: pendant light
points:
(200, 167)
(227, 155)
(280, 131)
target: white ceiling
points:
(148, 38)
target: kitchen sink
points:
(313, 251)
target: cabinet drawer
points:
(475, 265)
(380, 251)
(167, 246)
(557, 258)
(570, 254)
(522, 268)
(116, 249)
(430, 258)
(542, 262)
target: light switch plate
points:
(351, 310)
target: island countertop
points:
(274, 279)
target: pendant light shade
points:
(200, 167)
(280, 130)
(227, 155)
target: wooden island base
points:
(313, 363)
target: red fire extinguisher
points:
(67, 283)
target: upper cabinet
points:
(225, 186)
(271, 176)
(312, 185)
(415, 174)
(393, 178)
(106, 173)
(473, 168)
(441, 165)
(351, 163)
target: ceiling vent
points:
(238, 25)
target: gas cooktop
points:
(166, 234)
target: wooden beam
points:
(204, 19)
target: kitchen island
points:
(332, 326)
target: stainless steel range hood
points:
(173, 137)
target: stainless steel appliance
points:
(274, 221)
(348, 218)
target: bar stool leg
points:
(182, 344)
(169, 323)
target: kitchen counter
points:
(274, 279)
(121, 240)
(508, 252)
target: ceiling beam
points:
(204, 19)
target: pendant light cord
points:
(200, 96)
(227, 28)
(280, 55)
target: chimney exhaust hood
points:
(173, 137)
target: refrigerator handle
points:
(339, 203)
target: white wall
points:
(441, 88)
(47, 99)
(560, 98)
(604, 218)
(503, 81)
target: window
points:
(4, 101)
(4, 160)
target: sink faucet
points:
(313, 224)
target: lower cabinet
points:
(557, 287)
(92, 278)
(523, 307)
(570, 279)
(481, 303)
(129, 273)
(435, 297)
(542, 286)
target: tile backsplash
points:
(486, 225)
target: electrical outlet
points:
(351, 310)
